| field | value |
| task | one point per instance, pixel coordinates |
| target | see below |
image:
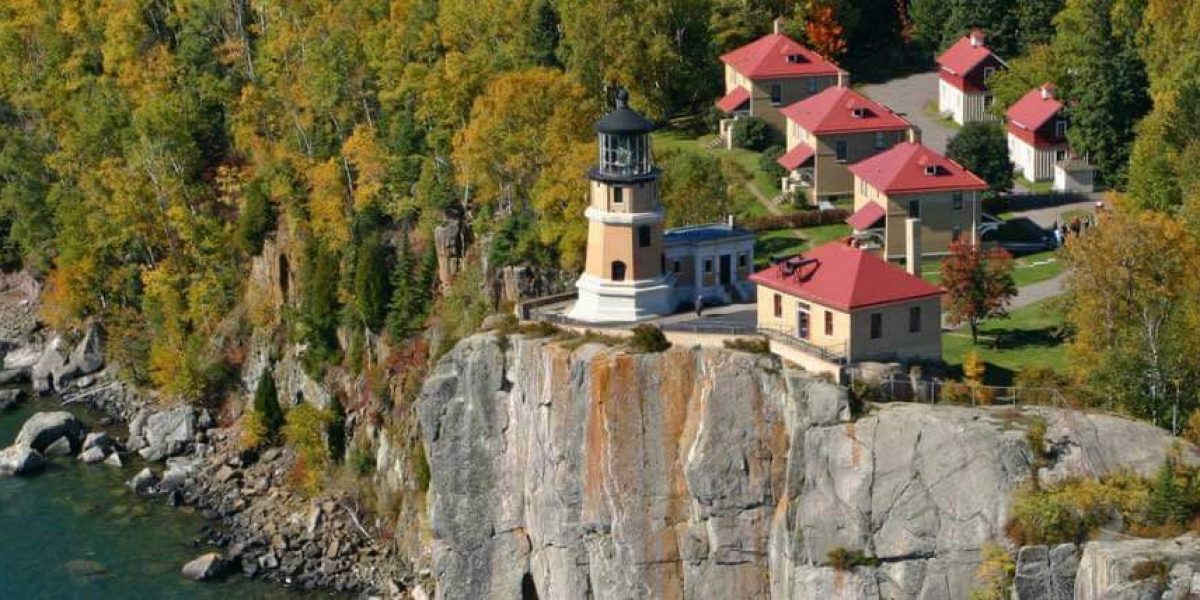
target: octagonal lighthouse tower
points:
(624, 278)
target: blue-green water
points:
(76, 531)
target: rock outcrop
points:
(205, 567)
(162, 434)
(45, 428)
(586, 472)
(1139, 569)
(20, 460)
(1046, 573)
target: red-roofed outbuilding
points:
(910, 181)
(963, 73)
(1037, 133)
(838, 301)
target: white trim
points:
(615, 218)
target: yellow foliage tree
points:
(327, 202)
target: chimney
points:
(843, 78)
(977, 37)
(914, 134)
(777, 25)
(729, 221)
(1047, 91)
(912, 244)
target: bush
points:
(954, 392)
(253, 431)
(648, 338)
(305, 428)
(1037, 384)
(752, 133)
(1036, 437)
(797, 220)
(335, 431)
(1150, 570)
(995, 574)
(1191, 430)
(768, 162)
(845, 560)
(751, 345)
(361, 460)
(1070, 511)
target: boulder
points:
(88, 356)
(11, 376)
(113, 460)
(20, 460)
(1108, 569)
(178, 471)
(10, 398)
(144, 482)
(59, 447)
(44, 428)
(135, 441)
(1045, 573)
(92, 455)
(22, 358)
(207, 566)
(168, 433)
(52, 361)
(98, 439)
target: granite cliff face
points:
(716, 474)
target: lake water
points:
(76, 531)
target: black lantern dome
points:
(624, 144)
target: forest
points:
(149, 147)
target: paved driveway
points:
(910, 95)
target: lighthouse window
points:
(618, 195)
(644, 236)
(618, 271)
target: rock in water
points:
(143, 483)
(9, 398)
(98, 439)
(208, 566)
(44, 428)
(20, 460)
(113, 460)
(168, 433)
(92, 455)
(60, 447)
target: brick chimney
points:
(1047, 90)
(977, 37)
(777, 25)
(912, 246)
(843, 78)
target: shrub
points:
(1037, 385)
(768, 162)
(1070, 511)
(1191, 430)
(253, 431)
(255, 220)
(954, 392)
(1152, 570)
(361, 460)
(845, 560)
(304, 428)
(797, 220)
(335, 431)
(266, 407)
(1036, 437)
(648, 338)
(752, 133)
(752, 345)
(995, 574)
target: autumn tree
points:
(979, 284)
(824, 33)
(695, 188)
(983, 150)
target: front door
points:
(802, 324)
(725, 267)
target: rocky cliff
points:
(587, 472)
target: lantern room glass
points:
(625, 154)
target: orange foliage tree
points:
(825, 33)
(979, 284)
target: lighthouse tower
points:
(624, 278)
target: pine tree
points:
(266, 405)
(335, 431)
(403, 291)
(372, 281)
(1167, 501)
(983, 150)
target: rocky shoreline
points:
(262, 527)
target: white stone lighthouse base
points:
(604, 301)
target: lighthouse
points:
(625, 276)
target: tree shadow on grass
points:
(1002, 338)
(776, 245)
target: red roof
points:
(768, 56)
(795, 157)
(833, 110)
(908, 167)
(964, 56)
(1034, 108)
(733, 100)
(865, 217)
(844, 278)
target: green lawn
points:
(784, 242)
(1027, 270)
(932, 111)
(1029, 337)
(1038, 187)
(746, 161)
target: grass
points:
(782, 242)
(746, 160)
(1027, 270)
(931, 110)
(1037, 187)
(1029, 337)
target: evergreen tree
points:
(255, 220)
(983, 150)
(335, 430)
(546, 33)
(266, 405)
(1168, 503)
(319, 304)
(928, 19)
(404, 292)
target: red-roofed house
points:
(769, 73)
(911, 181)
(1037, 134)
(963, 73)
(838, 303)
(831, 130)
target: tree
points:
(372, 281)
(266, 405)
(1168, 503)
(983, 150)
(928, 19)
(824, 32)
(1035, 21)
(974, 369)
(335, 430)
(979, 284)
(694, 188)
(752, 133)
(255, 220)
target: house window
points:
(956, 233)
(795, 59)
(1060, 128)
(618, 271)
(876, 325)
(708, 266)
(644, 236)
(914, 209)
(987, 72)
(828, 322)
(676, 266)
(741, 261)
(987, 101)
(1059, 155)
(812, 85)
(618, 195)
(778, 306)
(956, 201)
(840, 149)
(776, 94)
(914, 319)
(880, 141)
